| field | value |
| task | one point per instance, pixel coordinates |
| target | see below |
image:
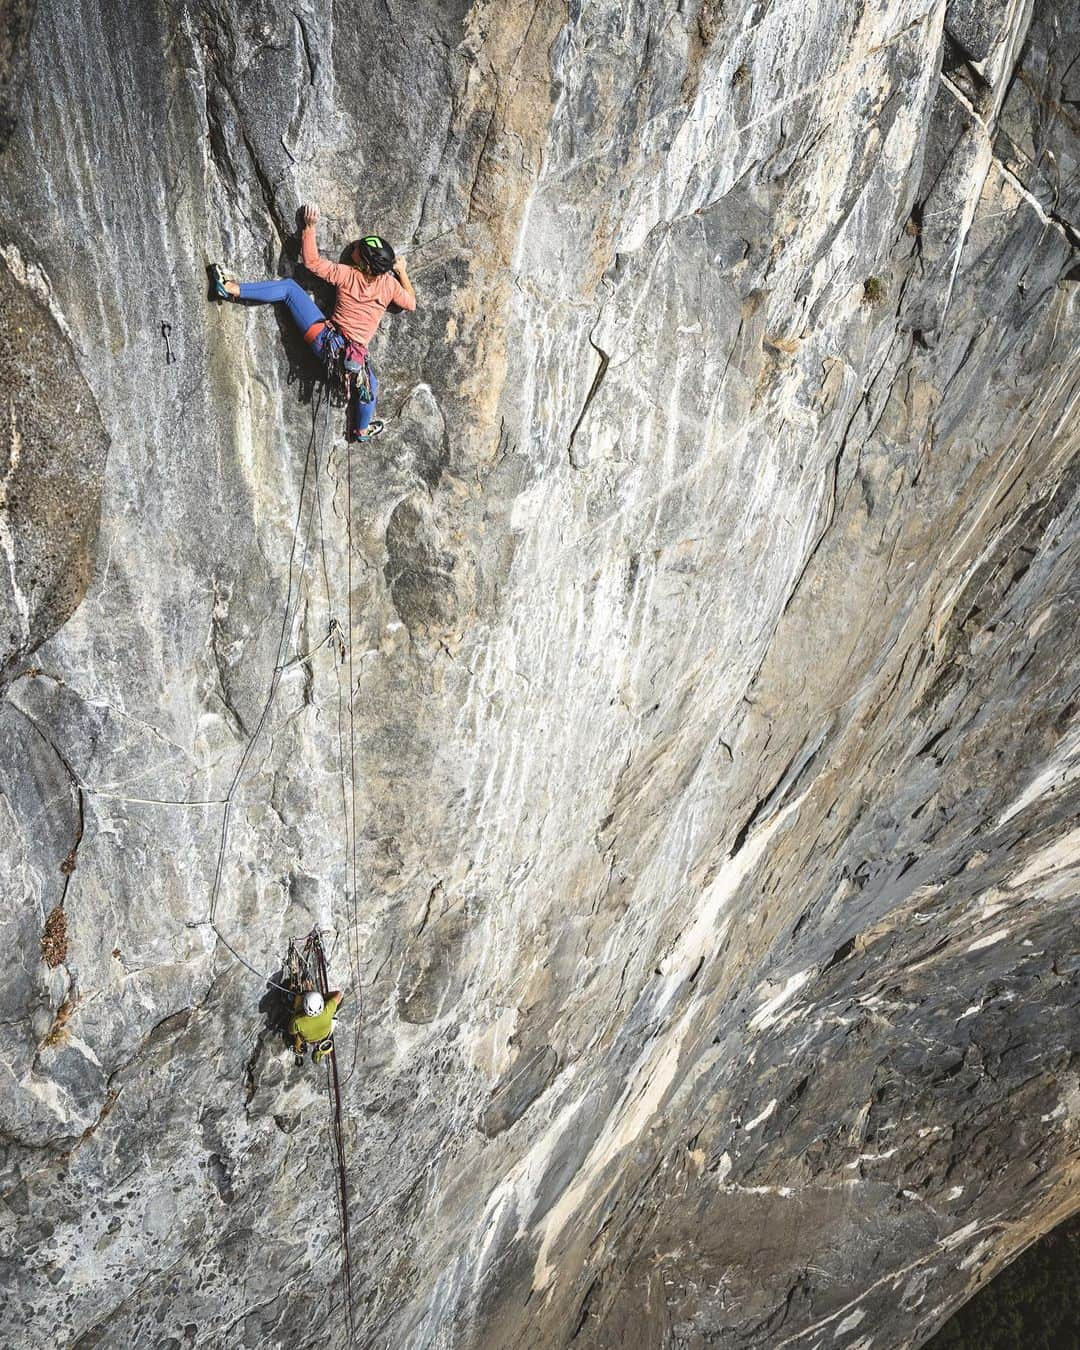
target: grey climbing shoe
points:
(375, 428)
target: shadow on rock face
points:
(17, 19)
(431, 978)
(52, 456)
(522, 1084)
(432, 584)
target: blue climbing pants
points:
(311, 321)
(360, 414)
(303, 311)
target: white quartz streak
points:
(658, 1064)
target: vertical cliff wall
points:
(708, 709)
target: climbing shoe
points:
(218, 278)
(374, 429)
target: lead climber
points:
(372, 279)
(313, 1024)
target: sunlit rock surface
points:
(708, 709)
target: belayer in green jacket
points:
(313, 1023)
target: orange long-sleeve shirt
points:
(361, 300)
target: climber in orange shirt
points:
(373, 278)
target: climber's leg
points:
(303, 311)
(361, 413)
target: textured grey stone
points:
(15, 24)
(53, 448)
(709, 699)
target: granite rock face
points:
(693, 794)
(54, 458)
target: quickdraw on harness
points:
(348, 369)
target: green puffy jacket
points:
(315, 1029)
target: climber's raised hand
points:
(311, 215)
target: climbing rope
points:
(333, 634)
(348, 804)
(348, 791)
(275, 678)
(311, 965)
(306, 969)
(343, 645)
(338, 1136)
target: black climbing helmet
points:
(376, 253)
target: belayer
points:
(372, 279)
(313, 1024)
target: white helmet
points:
(313, 1004)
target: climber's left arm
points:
(404, 296)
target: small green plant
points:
(58, 1032)
(873, 291)
(710, 16)
(1030, 1305)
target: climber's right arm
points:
(335, 273)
